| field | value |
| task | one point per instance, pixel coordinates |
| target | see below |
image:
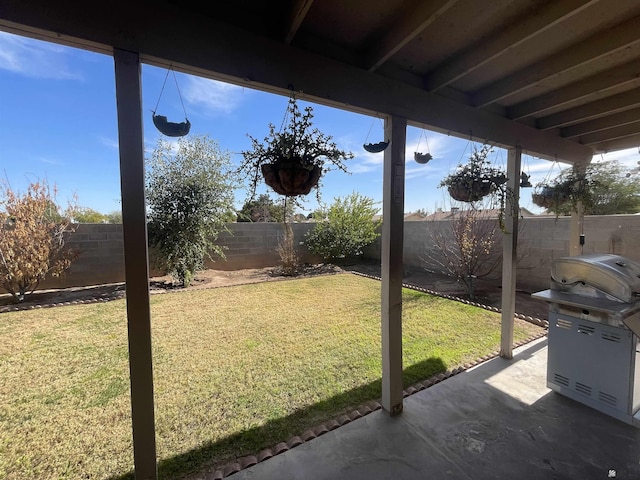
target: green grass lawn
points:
(236, 369)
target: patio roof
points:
(559, 79)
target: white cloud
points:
(109, 142)
(215, 97)
(629, 157)
(34, 58)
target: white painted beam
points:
(136, 263)
(589, 51)
(201, 46)
(611, 134)
(615, 145)
(406, 29)
(599, 108)
(391, 263)
(615, 120)
(298, 12)
(625, 75)
(510, 252)
(534, 24)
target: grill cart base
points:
(593, 334)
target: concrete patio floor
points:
(495, 421)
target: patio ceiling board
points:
(511, 70)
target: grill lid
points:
(612, 274)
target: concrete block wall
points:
(254, 245)
(541, 240)
(101, 259)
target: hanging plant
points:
(571, 187)
(476, 179)
(293, 160)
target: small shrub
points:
(346, 230)
(287, 251)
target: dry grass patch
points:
(236, 369)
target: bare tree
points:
(467, 247)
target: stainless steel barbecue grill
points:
(594, 326)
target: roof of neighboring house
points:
(490, 213)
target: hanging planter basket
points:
(549, 197)
(292, 160)
(469, 191)
(422, 158)
(291, 177)
(171, 129)
(376, 147)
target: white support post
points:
(134, 226)
(575, 229)
(509, 252)
(577, 218)
(392, 270)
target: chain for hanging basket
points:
(422, 158)
(171, 129)
(374, 147)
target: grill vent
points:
(560, 379)
(582, 388)
(562, 323)
(609, 399)
(610, 337)
(586, 329)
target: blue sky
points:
(58, 121)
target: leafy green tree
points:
(32, 238)
(190, 189)
(347, 229)
(89, 215)
(265, 209)
(114, 217)
(608, 189)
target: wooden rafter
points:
(410, 25)
(589, 51)
(534, 24)
(296, 17)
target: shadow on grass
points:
(281, 429)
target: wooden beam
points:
(534, 24)
(628, 130)
(391, 263)
(599, 108)
(136, 264)
(589, 51)
(406, 29)
(602, 123)
(201, 46)
(615, 145)
(509, 252)
(583, 90)
(296, 17)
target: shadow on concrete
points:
(251, 441)
(495, 421)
